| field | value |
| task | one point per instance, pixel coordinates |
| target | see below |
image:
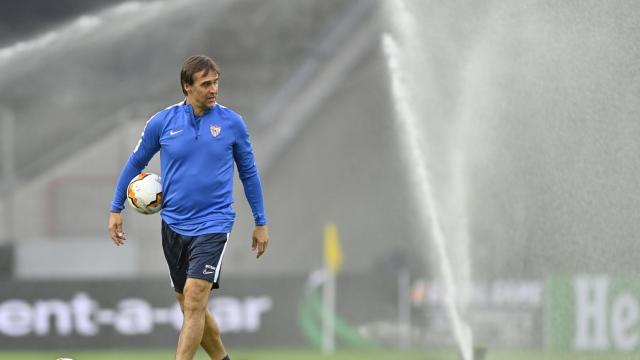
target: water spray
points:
(424, 194)
(413, 146)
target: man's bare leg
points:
(196, 296)
(211, 341)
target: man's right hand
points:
(115, 228)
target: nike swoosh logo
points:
(172, 132)
(206, 269)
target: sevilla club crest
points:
(215, 130)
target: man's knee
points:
(195, 296)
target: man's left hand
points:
(260, 240)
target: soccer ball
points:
(145, 193)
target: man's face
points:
(204, 91)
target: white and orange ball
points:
(145, 193)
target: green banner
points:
(593, 313)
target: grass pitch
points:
(301, 355)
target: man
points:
(199, 141)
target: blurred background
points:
(525, 117)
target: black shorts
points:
(198, 257)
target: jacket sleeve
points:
(147, 146)
(249, 175)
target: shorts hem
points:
(214, 285)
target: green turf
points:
(301, 355)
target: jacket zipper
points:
(195, 124)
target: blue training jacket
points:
(196, 157)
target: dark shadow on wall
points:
(20, 20)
